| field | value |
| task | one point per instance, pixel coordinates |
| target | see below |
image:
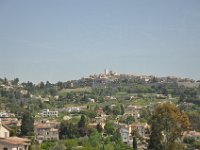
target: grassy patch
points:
(64, 91)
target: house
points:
(4, 132)
(46, 99)
(46, 131)
(8, 119)
(9, 122)
(110, 98)
(73, 109)
(91, 100)
(133, 107)
(135, 114)
(14, 143)
(24, 92)
(48, 113)
(194, 134)
(56, 97)
(141, 128)
(133, 111)
(125, 132)
(3, 114)
(100, 112)
(101, 120)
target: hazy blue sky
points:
(56, 40)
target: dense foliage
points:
(167, 126)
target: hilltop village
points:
(108, 111)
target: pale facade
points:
(48, 113)
(14, 143)
(46, 132)
(126, 134)
(4, 132)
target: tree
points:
(107, 110)
(154, 80)
(129, 120)
(48, 144)
(122, 109)
(117, 137)
(109, 128)
(27, 126)
(13, 131)
(68, 130)
(82, 126)
(52, 91)
(41, 85)
(99, 128)
(181, 97)
(164, 91)
(94, 138)
(195, 120)
(48, 84)
(5, 81)
(134, 142)
(136, 136)
(82, 122)
(15, 81)
(70, 143)
(167, 126)
(59, 85)
(117, 110)
(187, 94)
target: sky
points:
(63, 40)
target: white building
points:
(48, 113)
(73, 109)
(3, 114)
(4, 132)
(91, 100)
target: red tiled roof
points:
(100, 110)
(42, 126)
(46, 125)
(16, 140)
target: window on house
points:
(5, 148)
(26, 147)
